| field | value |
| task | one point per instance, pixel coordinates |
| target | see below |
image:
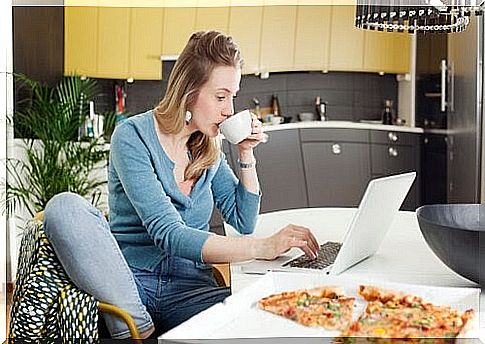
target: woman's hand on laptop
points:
(285, 239)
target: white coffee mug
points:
(237, 127)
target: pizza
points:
(326, 307)
(388, 314)
(392, 314)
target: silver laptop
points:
(377, 210)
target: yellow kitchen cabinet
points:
(387, 52)
(278, 38)
(212, 18)
(346, 41)
(245, 26)
(80, 41)
(178, 25)
(399, 58)
(376, 51)
(213, 3)
(146, 43)
(113, 42)
(312, 41)
(247, 2)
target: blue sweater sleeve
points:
(238, 206)
(131, 161)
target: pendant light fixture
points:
(416, 15)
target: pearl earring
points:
(188, 117)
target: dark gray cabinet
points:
(327, 167)
(280, 171)
(434, 168)
(216, 223)
(337, 166)
(397, 152)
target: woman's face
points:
(215, 100)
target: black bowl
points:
(456, 234)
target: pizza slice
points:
(326, 307)
(392, 314)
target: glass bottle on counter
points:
(388, 113)
(275, 105)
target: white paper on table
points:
(240, 317)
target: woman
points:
(166, 173)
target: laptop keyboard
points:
(326, 256)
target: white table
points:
(402, 257)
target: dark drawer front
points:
(393, 137)
(390, 159)
(334, 135)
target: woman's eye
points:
(221, 98)
(234, 96)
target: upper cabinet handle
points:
(392, 137)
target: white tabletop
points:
(402, 257)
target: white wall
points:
(6, 109)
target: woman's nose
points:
(228, 109)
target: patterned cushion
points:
(46, 304)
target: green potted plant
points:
(55, 159)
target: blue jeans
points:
(175, 291)
(82, 240)
(178, 289)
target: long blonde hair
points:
(204, 51)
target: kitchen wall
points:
(350, 96)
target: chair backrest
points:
(45, 303)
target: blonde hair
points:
(204, 51)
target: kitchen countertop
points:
(342, 125)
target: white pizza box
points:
(240, 317)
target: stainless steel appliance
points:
(465, 114)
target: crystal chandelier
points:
(416, 15)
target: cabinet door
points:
(278, 38)
(387, 52)
(394, 153)
(376, 49)
(399, 57)
(247, 34)
(178, 25)
(337, 173)
(392, 159)
(433, 169)
(216, 221)
(146, 43)
(212, 18)
(80, 39)
(312, 41)
(280, 171)
(113, 42)
(346, 41)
